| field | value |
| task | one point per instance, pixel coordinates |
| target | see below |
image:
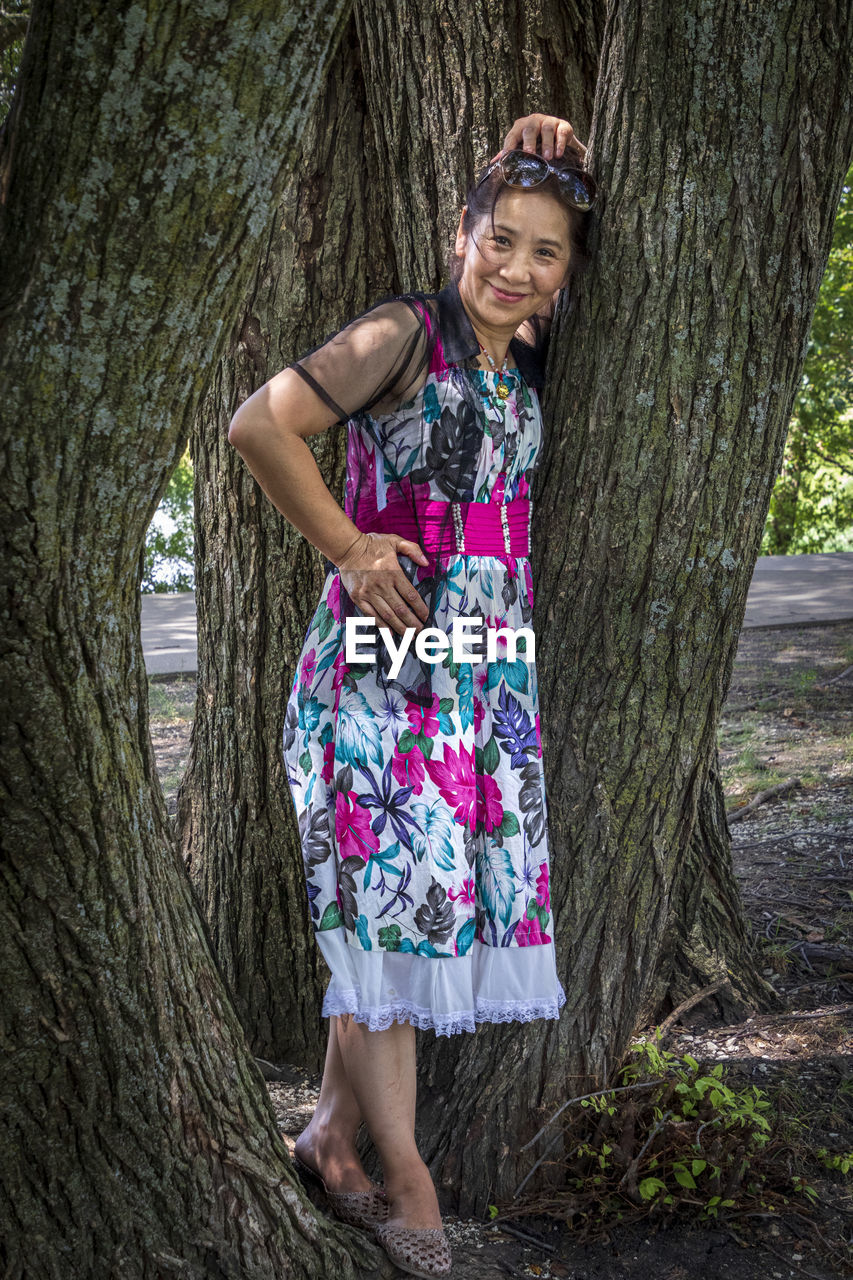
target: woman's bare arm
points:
(268, 431)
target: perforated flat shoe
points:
(422, 1251)
(365, 1209)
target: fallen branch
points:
(767, 1020)
(600, 1093)
(526, 1236)
(835, 679)
(735, 815)
(689, 1003)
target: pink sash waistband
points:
(464, 528)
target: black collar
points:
(457, 332)
(460, 341)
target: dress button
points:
(391, 991)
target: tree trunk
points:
(258, 581)
(671, 384)
(137, 1133)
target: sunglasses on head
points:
(524, 169)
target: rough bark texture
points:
(137, 1135)
(258, 582)
(721, 190)
(723, 169)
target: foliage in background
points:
(14, 17)
(811, 508)
(169, 562)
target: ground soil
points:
(787, 720)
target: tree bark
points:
(667, 411)
(137, 1133)
(690, 332)
(259, 581)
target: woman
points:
(415, 769)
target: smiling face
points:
(513, 269)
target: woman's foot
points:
(412, 1199)
(333, 1157)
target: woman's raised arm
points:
(375, 352)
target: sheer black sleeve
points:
(379, 360)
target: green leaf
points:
(465, 937)
(389, 937)
(331, 918)
(491, 756)
(649, 1186)
(509, 826)
(326, 621)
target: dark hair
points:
(483, 196)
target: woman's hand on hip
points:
(555, 136)
(372, 578)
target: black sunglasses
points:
(524, 169)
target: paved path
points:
(785, 591)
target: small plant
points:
(841, 1161)
(712, 1165)
(777, 956)
(673, 1135)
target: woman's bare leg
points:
(380, 1066)
(327, 1143)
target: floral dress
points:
(421, 808)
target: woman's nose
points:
(516, 269)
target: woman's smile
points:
(503, 296)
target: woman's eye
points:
(547, 253)
(501, 240)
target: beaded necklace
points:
(501, 390)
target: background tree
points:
(811, 508)
(169, 557)
(14, 17)
(723, 175)
(258, 580)
(137, 1134)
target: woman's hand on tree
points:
(555, 135)
(371, 576)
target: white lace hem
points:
(445, 994)
(443, 1024)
